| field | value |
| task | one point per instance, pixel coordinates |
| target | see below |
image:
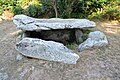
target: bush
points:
(72, 46)
(108, 9)
(86, 33)
(17, 10)
(112, 10)
(7, 5)
(112, 14)
(33, 10)
(1, 10)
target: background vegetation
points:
(107, 9)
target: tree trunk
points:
(55, 7)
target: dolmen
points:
(46, 38)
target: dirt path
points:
(94, 64)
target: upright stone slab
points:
(78, 34)
(47, 50)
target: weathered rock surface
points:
(95, 39)
(31, 24)
(47, 50)
(78, 36)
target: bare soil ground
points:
(94, 64)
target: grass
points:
(72, 46)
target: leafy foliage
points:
(109, 9)
(17, 10)
(72, 45)
(33, 10)
(112, 10)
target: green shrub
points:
(106, 9)
(1, 10)
(85, 33)
(33, 10)
(112, 10)
(7, 5)
(17, 10)
(31, 7)
(72, 46)
(109, 11)
(87, 7)
(112, 14)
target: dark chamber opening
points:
(62, 36)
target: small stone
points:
(95, 39)
(19, 57)
(47, 50)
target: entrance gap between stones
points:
(62, 36)
(69, 37)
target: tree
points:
(55, 7)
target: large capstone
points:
(55, 29)
(32, 24)
(95, 39)
(47, 50)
